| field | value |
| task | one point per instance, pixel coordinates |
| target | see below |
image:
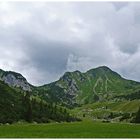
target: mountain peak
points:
(98, 84)
(14, 79)
(104, 68)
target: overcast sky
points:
(42, 40)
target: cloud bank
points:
(42, 40)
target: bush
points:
(125, 116)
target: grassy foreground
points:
(86, 129)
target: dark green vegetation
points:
(85, 129)
(22, 106)
(137, 118)
(10, 104)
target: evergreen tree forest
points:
(137, 119)
(16, 106)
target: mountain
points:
(77, 88)
(19, 103)
(100, 89)
(14, 79)
(99, 84)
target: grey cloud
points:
(43, 40)
(49, 56)
(119, 5)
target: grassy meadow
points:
(84, 129)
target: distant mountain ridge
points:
(77, 88)
(99, 84)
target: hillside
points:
(9, 104)
(109, 111)
(24, 106)
(99, 84)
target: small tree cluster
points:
(137, 119)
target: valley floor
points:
(84, 129)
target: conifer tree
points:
(137, 120)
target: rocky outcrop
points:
(15, 80)
(73, 88)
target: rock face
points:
(15, 80)
(70, 83)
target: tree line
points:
(16, 107)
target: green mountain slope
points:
(24, 106)
(99, 84)
(9, 104)
(108, 111)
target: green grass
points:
(85, 129)
(123, 106)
